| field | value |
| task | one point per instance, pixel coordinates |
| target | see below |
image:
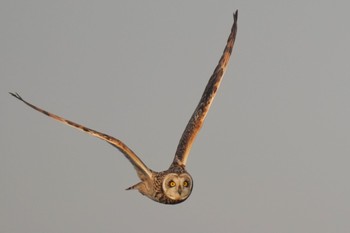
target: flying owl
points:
(175, 184)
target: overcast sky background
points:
(273, 155)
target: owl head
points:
(177, 187)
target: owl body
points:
(171, 186)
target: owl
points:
(175, 184)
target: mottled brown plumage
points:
(198, 117)
(174, 185)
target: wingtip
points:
(235, 15)
(16, 95)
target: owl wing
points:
(197, 119)
(142, 170)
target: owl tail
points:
(135, 186)
(141, 187)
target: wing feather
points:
(198, 117)
(142, 170)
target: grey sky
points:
(273, 155)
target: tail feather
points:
(134, 186)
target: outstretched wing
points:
(197, 119)
(142, 170)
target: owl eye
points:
(172, 183)
(185, 183)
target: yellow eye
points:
(172, 183)
(185, 183)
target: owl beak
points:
(179, 190)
